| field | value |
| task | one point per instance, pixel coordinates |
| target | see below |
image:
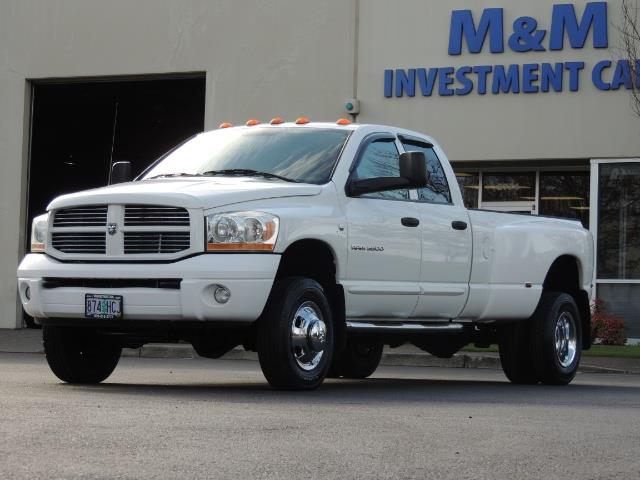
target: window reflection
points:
(509, 187)
(619, 221)
(469, 186)
(566, 195)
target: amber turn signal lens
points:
(225, 125)
(276, 121)
(343, 121)
(302, 121)
(253, 122)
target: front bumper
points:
(249, 277)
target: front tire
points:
(295, 335)
(79, 355)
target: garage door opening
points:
(79, 128)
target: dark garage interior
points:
(79, 127)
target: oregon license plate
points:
(103, 306)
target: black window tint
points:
(381, 159)
(437, 189)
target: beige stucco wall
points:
(262, 59)
(415, 33)
(288, 58)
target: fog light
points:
(27, 293)
(222, 294)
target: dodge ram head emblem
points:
(112, 228)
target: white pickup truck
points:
(314, 244)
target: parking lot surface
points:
(196, 418)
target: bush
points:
(606, 327)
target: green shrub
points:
(606, 328)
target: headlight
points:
(246, 231)
(39, 233)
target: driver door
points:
(384, 256)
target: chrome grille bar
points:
(156, 242)
(89, 216)
(141, 215)
(79, 242)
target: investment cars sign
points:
(568, 29)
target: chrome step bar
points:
(408, 327)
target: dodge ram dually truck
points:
(314, 244)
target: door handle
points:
(459, 225)
(410, 222)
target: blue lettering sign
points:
(563, 19)
(526, 37)
(462, 25)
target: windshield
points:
(305, 155)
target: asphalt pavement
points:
(197, 418)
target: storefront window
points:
(469, 186)
(566, 195)
(619, 221)
(509, 187)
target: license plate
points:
(103, 306)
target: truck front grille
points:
(156, 242)
(121, 232)
(90, 216)
(79, 242)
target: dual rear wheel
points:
(546, 348)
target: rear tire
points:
(295, 335)
(557, 336)
(357, 360)
(79, 355)
(547, 347)
(515, 353)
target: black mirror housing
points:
(413, 174)
(120, 173)
(413, 167)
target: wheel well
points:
(315, 259)
(564, 276)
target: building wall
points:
(262, 59)
(415, 34)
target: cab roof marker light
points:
(276, 121)
(302, 121)
(252, 122)
(343, 121)
(225, 125)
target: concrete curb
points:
(461, 360)
(389, 358)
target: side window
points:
(381, 159)
(437, 189)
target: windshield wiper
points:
(248, 173)
(181, 174)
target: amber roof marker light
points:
(343, 121)
(225, 125)
(302, 121)
(252, 123)
(276, 121)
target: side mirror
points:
(413, 174)
(413, 167)
(120, 173)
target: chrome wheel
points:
(308, 336)
(565, 339)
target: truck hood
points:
(193, 192)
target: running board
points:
(372, 327)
